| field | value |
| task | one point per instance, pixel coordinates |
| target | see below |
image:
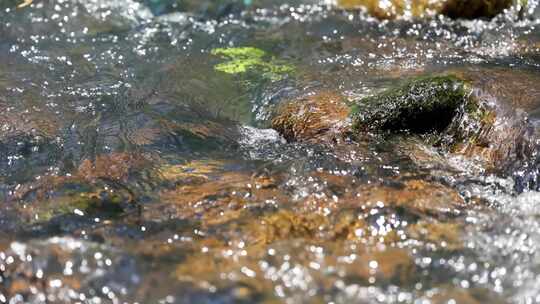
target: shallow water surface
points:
(138, 163)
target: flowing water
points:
(138, 163)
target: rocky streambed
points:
(269, 151)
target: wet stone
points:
(314, 117)
(453, 114)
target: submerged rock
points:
(108, 185)
(417, 197)
(419, 8)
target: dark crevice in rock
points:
(420, 106)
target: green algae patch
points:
(241, 59)
(422, 105)
(249, 59)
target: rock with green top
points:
(447, 112)
(419, 106)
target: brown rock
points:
(312, 118)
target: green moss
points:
(421, 105)
(246, 59)
(240, 52)
(238, 65)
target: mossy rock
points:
(420, 106)
(454, 114)
(419, 8)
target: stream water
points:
(138, 163)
